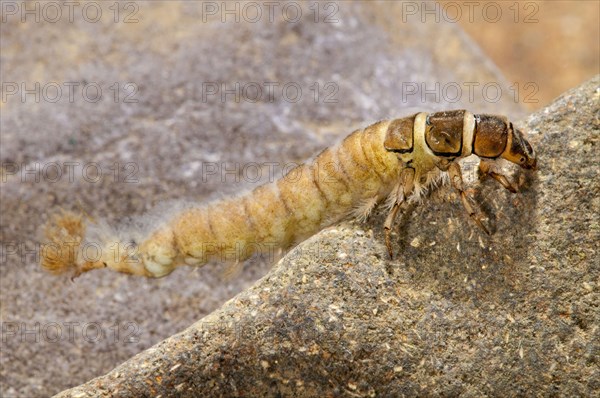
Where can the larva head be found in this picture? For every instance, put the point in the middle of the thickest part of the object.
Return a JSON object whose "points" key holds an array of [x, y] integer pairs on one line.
{"points": [[519, 151], [495, 137]]}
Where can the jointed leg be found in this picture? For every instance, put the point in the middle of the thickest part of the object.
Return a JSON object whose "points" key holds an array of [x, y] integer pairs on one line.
{"points": [[489, 168], [405, 188], [457, 182], [387, 226]]}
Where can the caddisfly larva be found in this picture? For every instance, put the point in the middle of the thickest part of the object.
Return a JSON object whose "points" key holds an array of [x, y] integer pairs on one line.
{"points": [[396, 160]]}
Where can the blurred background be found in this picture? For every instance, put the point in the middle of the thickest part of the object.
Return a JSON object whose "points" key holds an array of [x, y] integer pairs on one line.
{"points": [[162, 68], [554, 43]]}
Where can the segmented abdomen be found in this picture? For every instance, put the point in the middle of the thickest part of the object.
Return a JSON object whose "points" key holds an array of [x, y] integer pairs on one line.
{"points": [[356, 172], [346, 179]]}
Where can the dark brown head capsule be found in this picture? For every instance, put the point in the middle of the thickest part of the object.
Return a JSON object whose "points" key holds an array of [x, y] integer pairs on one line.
{"points": [[519, 151], [495, 137]]}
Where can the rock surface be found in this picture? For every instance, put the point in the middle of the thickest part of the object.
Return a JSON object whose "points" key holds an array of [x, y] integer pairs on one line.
{"points": [[161, 142], [457, 313]]}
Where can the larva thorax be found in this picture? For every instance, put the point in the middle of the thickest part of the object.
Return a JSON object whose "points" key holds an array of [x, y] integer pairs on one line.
{"points": [[446, 136], [394, 159]]}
